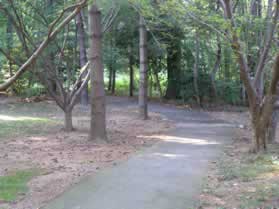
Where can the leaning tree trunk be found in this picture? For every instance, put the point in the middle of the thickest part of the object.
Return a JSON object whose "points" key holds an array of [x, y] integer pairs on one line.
{"points": [[82, 55], [143, 71], [98, 109]]}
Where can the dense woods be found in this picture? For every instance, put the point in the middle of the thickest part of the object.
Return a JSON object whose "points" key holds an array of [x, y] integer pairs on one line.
{"points": [[197, 52]]}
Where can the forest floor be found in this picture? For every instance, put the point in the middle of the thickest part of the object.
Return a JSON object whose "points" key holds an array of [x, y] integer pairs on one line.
{"points": [[37, 154], [240, 179]]}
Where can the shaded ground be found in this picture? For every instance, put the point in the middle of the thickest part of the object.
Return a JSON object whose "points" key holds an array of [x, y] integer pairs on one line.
{"points": [[165, 176], [31, 138], [240, 179]]}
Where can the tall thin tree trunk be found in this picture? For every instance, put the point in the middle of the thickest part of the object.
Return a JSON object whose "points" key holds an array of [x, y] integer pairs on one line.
{"points": [[113, 82], [143, 109], [110, 67], [150, 85], [110, 78], [98, 106], [215, 69], [158, 84], [82, 55], [131, 86], [196, 69], [10, 42]]}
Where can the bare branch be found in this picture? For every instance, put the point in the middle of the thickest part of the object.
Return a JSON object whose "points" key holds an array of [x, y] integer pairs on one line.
{"points": [[264, 54], [42, 46], [78, 81], [110, 18], [77, 93], [244, 68]]}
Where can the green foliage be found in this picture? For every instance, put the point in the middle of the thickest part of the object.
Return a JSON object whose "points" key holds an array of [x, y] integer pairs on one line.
{"points": [[229, 91]]}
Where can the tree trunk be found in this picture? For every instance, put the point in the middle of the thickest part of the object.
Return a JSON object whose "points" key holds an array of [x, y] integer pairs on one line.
{"points": [[272, 127], [82, 55], [110, 78], [173, 68], [98, 109], [143, 71], [68, 123], [131, 86], [215, 69], [113, 82], [196, 69], [150, 85], [158, 84], [10, 42]]}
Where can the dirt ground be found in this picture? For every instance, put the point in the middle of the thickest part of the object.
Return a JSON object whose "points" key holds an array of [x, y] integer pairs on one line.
{"points": [[62, 159], [240, 179]]}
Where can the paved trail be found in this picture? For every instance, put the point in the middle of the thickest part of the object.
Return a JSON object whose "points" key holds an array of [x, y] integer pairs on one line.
{"points": [[166, 176]]}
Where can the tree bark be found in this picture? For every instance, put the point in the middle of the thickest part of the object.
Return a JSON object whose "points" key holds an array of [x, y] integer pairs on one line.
{"points": [[143, 88], [150, 85], [131, 85], [98, 109], [215, 69], [68, 123], [10, 42], [174, 67], [84, 99], [272, 127], [196, 69], [110, 78], [113, 82]]}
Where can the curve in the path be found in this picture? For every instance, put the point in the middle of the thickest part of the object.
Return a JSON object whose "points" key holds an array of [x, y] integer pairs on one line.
{"points": [[166, 176]]}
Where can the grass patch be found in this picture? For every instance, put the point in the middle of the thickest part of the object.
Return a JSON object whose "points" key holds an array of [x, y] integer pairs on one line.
{"points": [[15, 184], [13, 126], [249, 168], [263, 197]]}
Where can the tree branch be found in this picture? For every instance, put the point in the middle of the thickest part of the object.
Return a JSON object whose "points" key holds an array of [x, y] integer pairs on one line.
{"points": [[264, 54], [52, 34]]}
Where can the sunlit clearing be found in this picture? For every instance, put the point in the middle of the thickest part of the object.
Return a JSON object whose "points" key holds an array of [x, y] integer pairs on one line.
{"points": [[38, 138], [13, 118], [172, 156], [207, 125], [183, 140]]}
